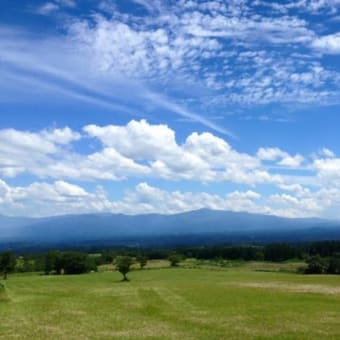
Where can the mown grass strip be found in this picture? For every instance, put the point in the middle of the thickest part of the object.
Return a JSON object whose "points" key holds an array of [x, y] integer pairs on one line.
{"points": [[3, 293]]}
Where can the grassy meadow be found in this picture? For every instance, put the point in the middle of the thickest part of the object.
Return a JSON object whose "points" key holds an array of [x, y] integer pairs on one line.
{"points": [[240, 301]]}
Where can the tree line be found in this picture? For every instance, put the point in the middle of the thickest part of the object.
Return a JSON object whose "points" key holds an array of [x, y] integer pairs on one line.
{"points": [[320, 257]]}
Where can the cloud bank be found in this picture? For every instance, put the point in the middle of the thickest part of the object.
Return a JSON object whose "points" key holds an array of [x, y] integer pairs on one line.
{"points": [[300, 185]]}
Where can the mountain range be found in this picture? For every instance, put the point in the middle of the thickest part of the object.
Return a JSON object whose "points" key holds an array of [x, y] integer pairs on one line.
{"points": [[196, 227]]}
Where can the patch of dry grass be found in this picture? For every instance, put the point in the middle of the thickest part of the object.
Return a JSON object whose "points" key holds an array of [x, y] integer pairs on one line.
{"points": [[291, 287]]}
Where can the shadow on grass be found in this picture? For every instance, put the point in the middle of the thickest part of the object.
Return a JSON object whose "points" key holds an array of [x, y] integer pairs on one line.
{"points": [[122, 281]]}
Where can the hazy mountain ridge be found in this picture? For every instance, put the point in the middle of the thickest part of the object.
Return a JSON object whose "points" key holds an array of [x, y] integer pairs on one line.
{"points": [[89, 227]]}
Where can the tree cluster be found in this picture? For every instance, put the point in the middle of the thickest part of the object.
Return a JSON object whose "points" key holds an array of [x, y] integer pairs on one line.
{"points": [[323, 265], [57, 262], [7, 263]]}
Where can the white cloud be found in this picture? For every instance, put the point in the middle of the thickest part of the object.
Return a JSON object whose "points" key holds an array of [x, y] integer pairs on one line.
{"points": [[47, 8], [307, 6], [217, 53], [48, 199], [274, 154], [54, 6], [292, 161], [270, 154], [60, 197], [61, 136], [274, 29], [140, 149], [203, 157], [25, 151], [198, 43], [143, 150], [328, 171], [147, 199], [328, 44], [327, 153]]}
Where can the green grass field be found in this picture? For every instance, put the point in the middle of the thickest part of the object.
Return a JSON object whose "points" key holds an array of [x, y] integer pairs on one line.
{"points": [[172, 303]]}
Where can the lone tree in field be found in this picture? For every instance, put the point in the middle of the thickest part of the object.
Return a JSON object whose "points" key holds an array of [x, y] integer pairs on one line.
{"points": [[123, 264], [7, 263], [142, 261]]}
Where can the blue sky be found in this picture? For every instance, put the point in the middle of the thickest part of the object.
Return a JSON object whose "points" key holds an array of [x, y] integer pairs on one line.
{"points": [[141, 106]]}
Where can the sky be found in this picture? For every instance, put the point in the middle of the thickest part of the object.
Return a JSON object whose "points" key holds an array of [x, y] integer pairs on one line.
{"points": [[141, 106]]}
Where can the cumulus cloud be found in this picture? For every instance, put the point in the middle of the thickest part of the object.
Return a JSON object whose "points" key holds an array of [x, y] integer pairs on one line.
{"points": [[151, 151], [25, 151], [48, 199], [283, 158], [202, 157], [60, 197], [328, 171], [140, 149], [270, 154]]}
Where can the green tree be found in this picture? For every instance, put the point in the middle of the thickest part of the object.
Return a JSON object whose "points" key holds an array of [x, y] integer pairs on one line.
{"points": [[77, 263], [142, 260], [68, 262], [53, 262], [278, 252], [316, 265], [334, 264], [24, 264], [7, 263], [123, 264], [174, 259]]}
